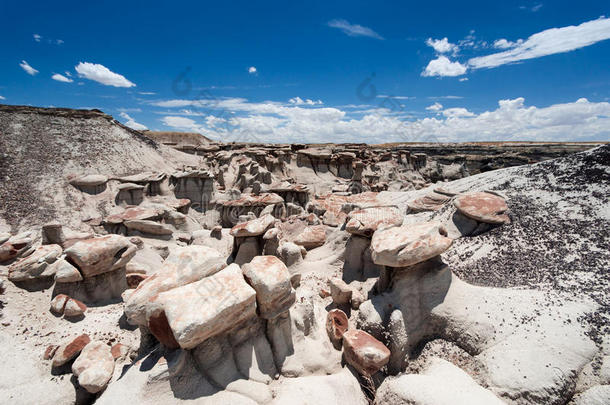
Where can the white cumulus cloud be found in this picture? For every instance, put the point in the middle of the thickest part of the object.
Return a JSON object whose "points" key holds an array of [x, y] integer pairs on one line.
{"points": [[442, 66], [61, 78], [2, 98], [37, 37], [28, 69], [457, 112], [101, 74], [131, 123], [506, 44], [435, 107], [442, 45], [353, 30], [181, 123], [300, 101], [548, 42], [252, 70]]}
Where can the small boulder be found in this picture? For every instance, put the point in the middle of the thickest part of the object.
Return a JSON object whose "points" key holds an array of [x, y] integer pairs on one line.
{"points": [[271, 280], [119, 351], [340, 291], [483, 207], [59, 303], [101, 255], [65, 272], [74, 308], [409, 244], [14, 247], [290, 253], [336, 325], [365, 353], [311, 237], [94, 367], [253, 227], [68, 351], [36, 265], [49, 352]]}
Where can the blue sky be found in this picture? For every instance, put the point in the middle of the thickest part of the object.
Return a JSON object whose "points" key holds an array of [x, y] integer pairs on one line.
{"points": [[317, 72]]}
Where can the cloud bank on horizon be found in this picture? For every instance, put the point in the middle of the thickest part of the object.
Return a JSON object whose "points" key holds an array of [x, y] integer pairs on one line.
{"points": [[240, 120]]}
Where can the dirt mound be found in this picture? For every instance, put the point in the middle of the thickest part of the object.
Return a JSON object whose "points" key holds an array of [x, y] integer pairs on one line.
{"points": [[41, 147]]}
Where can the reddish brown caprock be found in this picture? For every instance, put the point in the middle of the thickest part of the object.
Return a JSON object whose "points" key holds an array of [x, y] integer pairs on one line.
{"points": [[336, 325], [67, 352], [483, 207], [365, 353]]}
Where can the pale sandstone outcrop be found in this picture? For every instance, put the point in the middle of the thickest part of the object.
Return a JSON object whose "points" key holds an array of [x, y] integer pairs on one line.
{"points": [[206, 308], [271, 280], [441, 383], [94, 366], [184, 265]]}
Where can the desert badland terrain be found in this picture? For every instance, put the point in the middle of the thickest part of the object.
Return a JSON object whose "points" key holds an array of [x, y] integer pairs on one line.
{"points": [[148, 268]]}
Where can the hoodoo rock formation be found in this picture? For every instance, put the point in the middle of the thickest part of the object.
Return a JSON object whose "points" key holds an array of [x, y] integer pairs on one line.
{"points": [[153, 268]]}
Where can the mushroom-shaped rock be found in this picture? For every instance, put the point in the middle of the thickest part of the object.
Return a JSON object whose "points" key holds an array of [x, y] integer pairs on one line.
{"points": [[70, 350], [271, 280], [366, 221], [94, 367], [184, 265], [90, 180], [135, 213], [483, 207], [146, 226], [74, 308], [203, 309], [336, 325], [430, 202], [409, 244], [65, 272], [253, 227], [365, 353], [36, 265], [311, 237], [101, 255]]}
